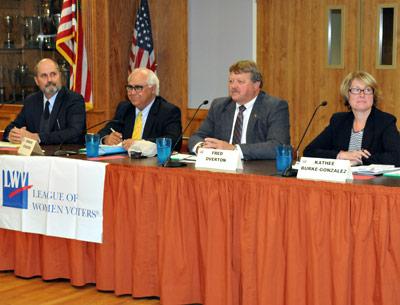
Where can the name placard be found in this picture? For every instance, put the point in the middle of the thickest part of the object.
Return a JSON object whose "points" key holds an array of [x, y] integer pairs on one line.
{"points": [[333, 170], [30, 147], [219, 159]]}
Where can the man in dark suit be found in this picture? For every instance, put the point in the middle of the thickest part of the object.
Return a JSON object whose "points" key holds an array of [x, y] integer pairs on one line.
{"points": [[53, 115], [250, 120], [145, 116]]}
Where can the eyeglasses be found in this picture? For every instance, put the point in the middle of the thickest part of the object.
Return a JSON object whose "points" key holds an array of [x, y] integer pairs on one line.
{"points": [[137, 88], [366, 91]]}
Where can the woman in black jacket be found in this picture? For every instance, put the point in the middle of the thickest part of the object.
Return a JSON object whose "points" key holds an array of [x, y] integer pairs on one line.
{"points": [[364, 135]]}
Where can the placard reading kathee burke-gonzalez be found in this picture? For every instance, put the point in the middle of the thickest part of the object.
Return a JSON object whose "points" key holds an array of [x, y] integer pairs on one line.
{"points": [[324, 169]]}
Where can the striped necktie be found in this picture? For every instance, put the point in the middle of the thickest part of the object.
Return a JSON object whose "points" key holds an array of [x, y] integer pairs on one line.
{"points": [[237, 131], [137, 130]]}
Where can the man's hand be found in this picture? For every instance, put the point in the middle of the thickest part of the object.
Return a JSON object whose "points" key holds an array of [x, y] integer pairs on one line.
{"points": [[127, 143], [217, 144], [113, 138], [17, 134]]}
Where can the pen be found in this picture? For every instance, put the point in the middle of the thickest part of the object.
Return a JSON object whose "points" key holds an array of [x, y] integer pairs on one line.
{"points": [[112, 129]]}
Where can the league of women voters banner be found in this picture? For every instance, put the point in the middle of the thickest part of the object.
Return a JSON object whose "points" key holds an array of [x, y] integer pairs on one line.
{"points": [[52, 196]]}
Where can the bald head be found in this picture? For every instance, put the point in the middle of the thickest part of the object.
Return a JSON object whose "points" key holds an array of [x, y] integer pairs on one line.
{"points": [[46, 61]]}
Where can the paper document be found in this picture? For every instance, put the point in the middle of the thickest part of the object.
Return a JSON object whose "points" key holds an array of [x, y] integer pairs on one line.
{"points": [[8, 144], [373, 169]]}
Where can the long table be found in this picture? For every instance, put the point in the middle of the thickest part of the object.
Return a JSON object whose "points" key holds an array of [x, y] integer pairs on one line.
{"points": [[193, 236]]}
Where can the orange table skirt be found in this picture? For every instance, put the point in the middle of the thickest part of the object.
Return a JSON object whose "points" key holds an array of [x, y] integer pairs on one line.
{"points": [[199, 237]]}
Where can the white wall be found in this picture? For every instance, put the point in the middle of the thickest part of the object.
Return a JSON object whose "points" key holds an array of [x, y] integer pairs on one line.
{"points": [[220, 33]]}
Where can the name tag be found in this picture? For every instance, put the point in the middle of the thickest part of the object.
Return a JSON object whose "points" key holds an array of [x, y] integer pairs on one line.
{"points": [[325, 169], [219, 159], [29, 147]]}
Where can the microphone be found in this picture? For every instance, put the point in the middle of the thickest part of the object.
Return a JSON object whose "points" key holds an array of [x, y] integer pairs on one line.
{"points": [[290, 171], [61, 152], [168, 162]]}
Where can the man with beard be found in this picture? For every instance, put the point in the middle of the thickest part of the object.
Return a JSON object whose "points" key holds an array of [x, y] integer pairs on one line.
{"points": [[249, 120], [54, 115]]}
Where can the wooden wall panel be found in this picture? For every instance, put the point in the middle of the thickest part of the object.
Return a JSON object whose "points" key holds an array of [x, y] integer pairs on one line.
{"points": [[169, 21], [201, 115], [292, 55], [387, 79], [109, 33]]}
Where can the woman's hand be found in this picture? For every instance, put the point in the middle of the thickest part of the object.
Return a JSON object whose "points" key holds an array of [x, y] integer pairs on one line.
{"points": [[354, 156]]}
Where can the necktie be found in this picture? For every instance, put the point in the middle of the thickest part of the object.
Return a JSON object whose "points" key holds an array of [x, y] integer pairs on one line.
{"points": [[137, 130], [237, 131], [46, 113]]}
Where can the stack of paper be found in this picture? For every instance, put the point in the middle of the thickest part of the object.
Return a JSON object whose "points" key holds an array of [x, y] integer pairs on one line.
{"points": [[373, 169]]}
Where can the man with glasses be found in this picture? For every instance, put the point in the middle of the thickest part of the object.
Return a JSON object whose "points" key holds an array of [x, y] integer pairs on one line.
{"points": [[145, 116], [364, 134]]}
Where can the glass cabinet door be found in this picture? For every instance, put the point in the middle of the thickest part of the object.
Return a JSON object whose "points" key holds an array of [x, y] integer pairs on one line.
{"points": [[28, 33]]}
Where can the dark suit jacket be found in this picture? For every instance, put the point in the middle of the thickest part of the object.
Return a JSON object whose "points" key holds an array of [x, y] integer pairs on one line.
{"points": [[268, 126], [381, 138], [163, 120], [67, 119]]}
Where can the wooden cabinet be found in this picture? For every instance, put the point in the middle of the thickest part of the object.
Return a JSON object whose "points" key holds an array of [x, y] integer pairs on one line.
{"points": [[8, 112]]}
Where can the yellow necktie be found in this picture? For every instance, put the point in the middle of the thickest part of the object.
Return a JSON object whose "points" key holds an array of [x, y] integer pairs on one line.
{"points": [[137, 130]]}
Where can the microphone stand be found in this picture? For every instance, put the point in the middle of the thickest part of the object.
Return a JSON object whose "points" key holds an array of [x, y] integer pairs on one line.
{"points": [[168, 162], [290, 171], [61, 152]]}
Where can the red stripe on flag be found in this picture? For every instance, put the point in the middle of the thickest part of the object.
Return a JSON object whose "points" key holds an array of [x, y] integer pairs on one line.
{"points": [[71, 45], [141, 53]]}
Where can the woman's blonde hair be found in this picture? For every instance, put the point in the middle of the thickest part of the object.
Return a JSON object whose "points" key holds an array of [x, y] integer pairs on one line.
{"points": [[363, 76]]}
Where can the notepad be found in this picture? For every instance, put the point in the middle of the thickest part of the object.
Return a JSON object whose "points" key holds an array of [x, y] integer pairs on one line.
{"points": [[394, 174], [5, 144]]}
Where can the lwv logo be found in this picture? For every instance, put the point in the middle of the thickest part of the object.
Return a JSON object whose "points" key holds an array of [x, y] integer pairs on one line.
{"points": [[15, 189]]}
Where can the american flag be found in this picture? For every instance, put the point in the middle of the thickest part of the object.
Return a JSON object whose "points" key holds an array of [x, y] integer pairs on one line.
{"points": [[70, 43], [141, 53]]}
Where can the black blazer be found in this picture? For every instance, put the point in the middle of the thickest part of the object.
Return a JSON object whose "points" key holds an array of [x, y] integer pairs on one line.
{"points": [[163, 120], [381, 138], [67, 119]]}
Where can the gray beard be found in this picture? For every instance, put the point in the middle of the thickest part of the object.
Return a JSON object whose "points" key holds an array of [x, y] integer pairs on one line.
{"points": [[51, 90]]}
